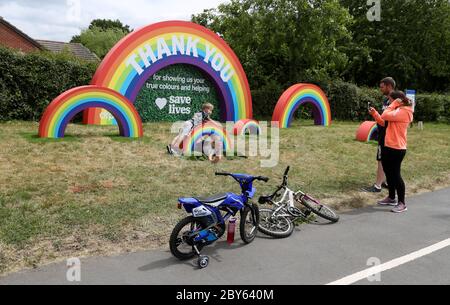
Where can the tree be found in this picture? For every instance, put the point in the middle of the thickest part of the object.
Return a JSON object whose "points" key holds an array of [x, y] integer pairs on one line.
{"points": [[284, 41], [102, 35], [411, 43], [100, 41], [106, 24]]}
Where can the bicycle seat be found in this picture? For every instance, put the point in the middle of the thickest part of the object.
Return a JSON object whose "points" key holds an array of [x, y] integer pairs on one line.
{"points": [[212, 199], [264, 199]]}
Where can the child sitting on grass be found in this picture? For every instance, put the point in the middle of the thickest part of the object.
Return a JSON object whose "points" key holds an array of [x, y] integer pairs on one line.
{"points": [[197, 119]]}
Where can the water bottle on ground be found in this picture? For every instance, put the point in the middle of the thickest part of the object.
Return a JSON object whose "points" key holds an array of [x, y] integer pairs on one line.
{"points": [[231, 230]]}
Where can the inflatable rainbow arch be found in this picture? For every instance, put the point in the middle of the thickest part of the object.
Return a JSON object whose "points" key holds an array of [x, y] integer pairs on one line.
{"points": [[63, 108], [247, 126], [367, 131], [193, 141], [298, 95]]}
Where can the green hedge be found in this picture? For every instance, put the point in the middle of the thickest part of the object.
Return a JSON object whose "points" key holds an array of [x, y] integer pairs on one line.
{"points": [[29, 82], [349, 102], [433, 107]]}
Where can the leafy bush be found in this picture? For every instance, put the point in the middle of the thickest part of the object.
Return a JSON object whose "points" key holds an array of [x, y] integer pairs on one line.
{"points": [[349, 102], [432, 107], [29, 82]]}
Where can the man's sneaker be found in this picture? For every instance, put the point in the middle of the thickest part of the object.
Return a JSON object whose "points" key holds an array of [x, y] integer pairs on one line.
{"points": [[384, 185], [400, 208], [169, 150], [388, 201], [372, 189]]}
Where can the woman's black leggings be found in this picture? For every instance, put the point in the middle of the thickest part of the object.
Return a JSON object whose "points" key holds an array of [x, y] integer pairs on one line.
{"points": [[392, 164]]}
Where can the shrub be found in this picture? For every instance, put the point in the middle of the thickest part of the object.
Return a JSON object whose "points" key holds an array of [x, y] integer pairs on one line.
{"points": [[29, 82]]}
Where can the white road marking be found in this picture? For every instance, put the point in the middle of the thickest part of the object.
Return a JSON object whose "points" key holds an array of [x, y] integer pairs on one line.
{"points": [[351, 279]]}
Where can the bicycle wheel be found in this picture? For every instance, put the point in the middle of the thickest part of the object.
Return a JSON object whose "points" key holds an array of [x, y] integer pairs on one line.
{"points": [[247, 228], [273, 225], [319, 209], [181, 246]]}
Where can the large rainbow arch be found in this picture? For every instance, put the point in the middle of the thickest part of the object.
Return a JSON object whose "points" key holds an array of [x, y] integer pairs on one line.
{"points": [[63, 108], [144, 52], [298, 95]]}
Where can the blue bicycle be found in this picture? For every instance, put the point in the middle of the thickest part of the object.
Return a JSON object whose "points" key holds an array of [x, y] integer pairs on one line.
{"points": [[209, 216]]}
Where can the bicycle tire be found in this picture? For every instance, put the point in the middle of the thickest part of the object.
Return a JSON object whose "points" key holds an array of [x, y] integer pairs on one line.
{"points": [[174, 238], [276, 234], [319, 209], [248, 239]]}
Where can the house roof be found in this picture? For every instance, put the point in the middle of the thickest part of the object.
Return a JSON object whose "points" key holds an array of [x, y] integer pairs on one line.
{"points": [[75, 48], [19, 32]]}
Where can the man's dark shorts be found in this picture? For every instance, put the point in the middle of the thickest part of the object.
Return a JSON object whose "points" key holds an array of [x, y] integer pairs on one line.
{"points": [[379, 149]]}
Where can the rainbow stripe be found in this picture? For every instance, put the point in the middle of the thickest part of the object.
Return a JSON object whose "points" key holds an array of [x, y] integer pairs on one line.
{"points": [[63, 108], [247, 126], [367, 131], [118, 73], [298, 95], [373, 133], [207, 129]]}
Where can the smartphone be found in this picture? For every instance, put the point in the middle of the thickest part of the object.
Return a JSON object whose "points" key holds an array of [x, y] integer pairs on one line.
{"points": [[369, 105]]}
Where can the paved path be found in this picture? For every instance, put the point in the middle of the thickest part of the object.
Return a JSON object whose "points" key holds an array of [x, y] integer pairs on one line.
{"points": [[314, 254]]}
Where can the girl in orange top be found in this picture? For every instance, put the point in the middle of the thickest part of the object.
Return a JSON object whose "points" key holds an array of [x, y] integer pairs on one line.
{"points": [[399, 114]]}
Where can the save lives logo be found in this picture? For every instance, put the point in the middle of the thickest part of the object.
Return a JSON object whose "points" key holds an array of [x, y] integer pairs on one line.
{"points": [[161, 103], [177, 104], [175, 93]]}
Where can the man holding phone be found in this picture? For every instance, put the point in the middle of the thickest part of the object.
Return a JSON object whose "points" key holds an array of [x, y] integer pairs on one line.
{"points": [[387, 85]]}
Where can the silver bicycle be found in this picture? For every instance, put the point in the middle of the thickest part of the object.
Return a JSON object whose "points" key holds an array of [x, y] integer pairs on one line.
{"points": [[279, 221]]}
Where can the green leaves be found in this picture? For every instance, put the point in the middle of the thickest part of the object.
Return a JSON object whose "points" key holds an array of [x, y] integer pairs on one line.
{"points": [[411, 43], [28, 83], [100, 40], [290, 40], [283, 40]]}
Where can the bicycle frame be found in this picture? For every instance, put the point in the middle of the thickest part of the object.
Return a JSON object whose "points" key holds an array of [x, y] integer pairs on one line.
{"points": [[287, 201]]}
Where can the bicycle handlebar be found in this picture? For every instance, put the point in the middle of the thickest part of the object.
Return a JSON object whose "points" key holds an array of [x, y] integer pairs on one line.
{"points": [[261, 178], [287, 171], [222, 174]]}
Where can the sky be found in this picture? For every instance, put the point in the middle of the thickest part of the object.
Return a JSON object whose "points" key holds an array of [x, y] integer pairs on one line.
{"points": [[61, 19]]}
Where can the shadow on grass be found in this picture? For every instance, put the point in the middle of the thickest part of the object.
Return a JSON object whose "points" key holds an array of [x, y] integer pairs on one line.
{"points": [[34, 138]]}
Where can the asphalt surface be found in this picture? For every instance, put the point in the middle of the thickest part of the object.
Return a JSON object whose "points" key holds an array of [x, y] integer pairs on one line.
{"points": [[314, 254]]}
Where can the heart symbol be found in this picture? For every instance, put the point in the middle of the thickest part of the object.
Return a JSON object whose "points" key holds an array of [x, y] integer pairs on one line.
{"points": [[161, 103]]}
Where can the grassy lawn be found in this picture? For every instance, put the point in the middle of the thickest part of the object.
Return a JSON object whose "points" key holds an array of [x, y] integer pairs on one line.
{"points": [[94, 193]]}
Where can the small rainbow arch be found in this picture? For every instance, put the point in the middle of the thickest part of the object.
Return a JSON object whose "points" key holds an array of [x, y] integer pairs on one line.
{"points": [[367, 131], [208, 129], [298, 95], [247, 126], [63, 108]]}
